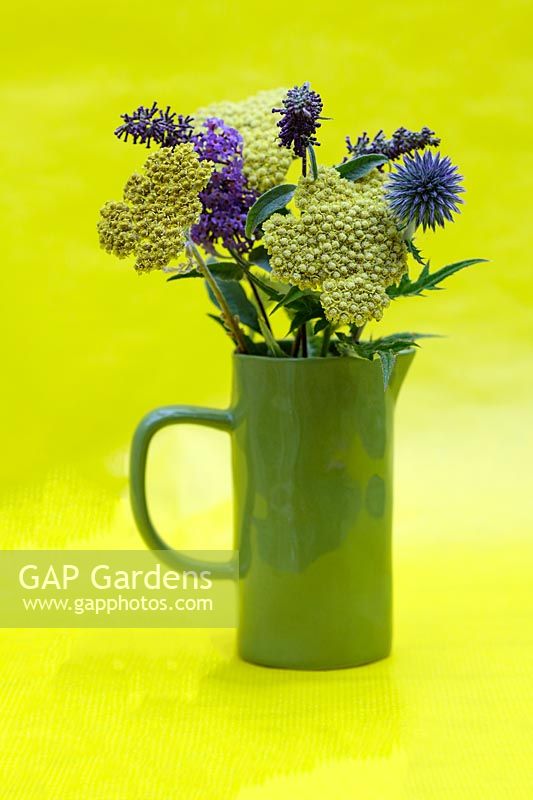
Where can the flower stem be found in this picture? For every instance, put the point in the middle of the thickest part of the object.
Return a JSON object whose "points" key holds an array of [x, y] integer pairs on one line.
{"points": [[356, 332], [304, 340], [325, 341], [304, 164], [296, 343], [230, 321], [246, 267], [259, 302]]}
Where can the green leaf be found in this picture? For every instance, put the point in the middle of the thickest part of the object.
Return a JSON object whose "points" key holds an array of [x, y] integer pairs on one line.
{"points": [[388, 359], [312, 161], [304, 314], [254, 348], [218, 320], [178, 276], [415, 252], [260, 258], [321, 325], [304, 306], [225, 270], [386, 349], [266, 286], [429, 280], [401, 338], [291, 296], [394, 343], [267, 204], [238, 302], [360, 166]]}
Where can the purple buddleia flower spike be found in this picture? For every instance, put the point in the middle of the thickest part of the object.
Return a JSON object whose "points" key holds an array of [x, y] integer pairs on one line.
{"points": [[147, 125], [402, 142], [227, 197], [218, 142], [424, 190], [299, 121]]}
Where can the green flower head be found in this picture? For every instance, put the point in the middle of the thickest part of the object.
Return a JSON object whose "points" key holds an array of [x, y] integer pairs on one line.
{"points": [[159, 207], [345, 244]]}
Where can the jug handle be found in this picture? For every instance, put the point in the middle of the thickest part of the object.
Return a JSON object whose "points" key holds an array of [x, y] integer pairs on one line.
{"points": [[150, 424]]}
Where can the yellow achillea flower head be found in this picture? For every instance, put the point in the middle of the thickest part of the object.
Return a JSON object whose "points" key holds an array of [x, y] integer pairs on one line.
{"points": [[265, 162], [159, 206], [345, 244]]}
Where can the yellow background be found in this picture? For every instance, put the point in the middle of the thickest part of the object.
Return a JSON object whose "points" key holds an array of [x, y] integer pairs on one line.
{"points": [[88, 347]]}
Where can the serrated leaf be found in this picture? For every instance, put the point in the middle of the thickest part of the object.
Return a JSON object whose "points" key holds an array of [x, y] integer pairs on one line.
{"points": [[404, 336], [238, 302], [388, 359], [429, 280], [267, 204], [394, 343], [360, 166], [351, 349], [225, 270], [432, 279], [415, 252]]}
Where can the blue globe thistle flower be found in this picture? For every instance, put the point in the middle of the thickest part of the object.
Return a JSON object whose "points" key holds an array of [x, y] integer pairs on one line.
{"points": [[227, 197], [145, 125], [299, 120], [402, 142], [424, 190]]}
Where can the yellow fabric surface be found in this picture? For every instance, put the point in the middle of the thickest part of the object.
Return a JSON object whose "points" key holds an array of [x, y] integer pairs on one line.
{"points": [[88, 347]]}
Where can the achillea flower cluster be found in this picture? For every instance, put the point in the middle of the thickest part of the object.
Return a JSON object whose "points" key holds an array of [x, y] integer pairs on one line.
{"points": [[300, 114], [159, 207], [227, 197], [145, 125], [401, 142], [345, 244], [265, 164], [424, 190]]}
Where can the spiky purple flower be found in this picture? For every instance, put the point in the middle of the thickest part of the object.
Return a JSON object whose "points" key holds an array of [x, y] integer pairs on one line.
{"points": [[402, 142], [424, 190], [227, 197], [164, 127], [299, 119]]}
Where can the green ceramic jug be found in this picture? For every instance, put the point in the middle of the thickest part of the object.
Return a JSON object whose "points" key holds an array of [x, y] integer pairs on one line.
{"points": [[312, 471]]}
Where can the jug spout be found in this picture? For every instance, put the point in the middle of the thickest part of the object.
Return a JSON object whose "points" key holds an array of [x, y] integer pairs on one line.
{"points": [[401, 368]]}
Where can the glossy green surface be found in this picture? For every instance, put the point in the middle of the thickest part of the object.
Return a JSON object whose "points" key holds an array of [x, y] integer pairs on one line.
{"points": [[312, 468]]}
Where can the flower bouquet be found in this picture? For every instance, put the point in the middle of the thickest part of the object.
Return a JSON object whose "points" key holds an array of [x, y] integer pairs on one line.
{"points": [[295, 272], [331, 252]]}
